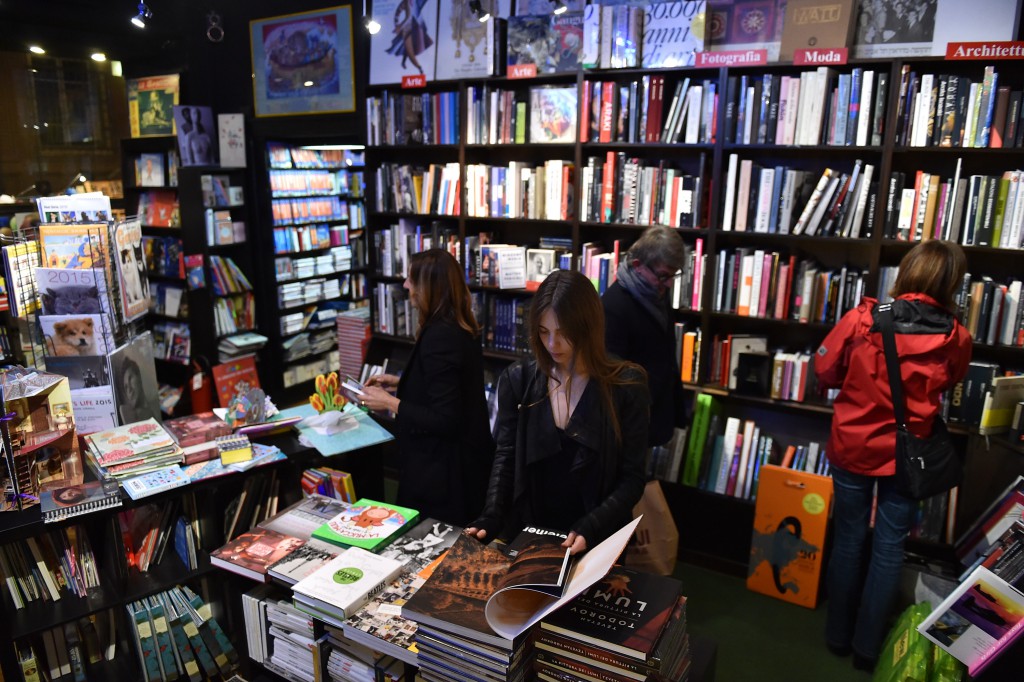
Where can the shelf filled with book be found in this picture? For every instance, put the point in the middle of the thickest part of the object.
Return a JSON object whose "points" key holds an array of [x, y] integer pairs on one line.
{"points": [[797, 189], [316, 248]]}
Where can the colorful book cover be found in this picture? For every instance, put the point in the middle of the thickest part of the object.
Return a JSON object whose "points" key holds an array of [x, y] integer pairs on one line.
{"points": [[251, 553], [673, 34], [553, 114], [155, 482], [405, 44], [76, 335], [235, 378], [74, 247], [159, 208], [745, 25], [140, 438], [196, 428], [368, 524], [149, 170], [552, 43], [194, 272], [380, 625], [131, 269], [151, 103], [74, 208], [72, 292]]}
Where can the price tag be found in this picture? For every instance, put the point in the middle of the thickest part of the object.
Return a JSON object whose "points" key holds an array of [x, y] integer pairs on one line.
{"points": [[197, 381]]}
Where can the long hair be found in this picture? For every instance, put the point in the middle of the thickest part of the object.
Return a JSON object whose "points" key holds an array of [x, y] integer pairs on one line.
{"points": [[934, 267], [574, 301], [440, 289]]}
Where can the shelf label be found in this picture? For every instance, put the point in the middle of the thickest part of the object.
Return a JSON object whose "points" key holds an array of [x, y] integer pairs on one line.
{"points": [[820, 55], [993, 49], [417, 80], [733, 58], [522, 71]]}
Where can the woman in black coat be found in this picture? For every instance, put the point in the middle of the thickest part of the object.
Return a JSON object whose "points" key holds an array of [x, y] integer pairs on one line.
{"points": [[444, 439], [572, 426]]}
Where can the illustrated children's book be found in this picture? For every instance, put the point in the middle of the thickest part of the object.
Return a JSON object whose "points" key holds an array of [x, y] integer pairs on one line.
{"points": [[235, 378], [61, 503], [368, 524]]}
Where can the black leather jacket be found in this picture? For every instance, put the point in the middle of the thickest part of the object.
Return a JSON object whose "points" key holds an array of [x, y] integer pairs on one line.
{"points": [[526, 434]]}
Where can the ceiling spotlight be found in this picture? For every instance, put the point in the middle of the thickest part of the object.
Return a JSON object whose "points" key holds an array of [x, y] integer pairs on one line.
{"points": [[98, 57], [144, 15], [371, 24], [481, 14], [35, 49], [560, 7]]}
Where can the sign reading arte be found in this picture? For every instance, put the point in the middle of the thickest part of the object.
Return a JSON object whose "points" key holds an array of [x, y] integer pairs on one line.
{"points": [[522, 71], [831, 56], [733, 58], [996, 49], [417, 80]]}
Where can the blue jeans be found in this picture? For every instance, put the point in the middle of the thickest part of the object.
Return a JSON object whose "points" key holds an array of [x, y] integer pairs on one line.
{"points": [[860, 604]]}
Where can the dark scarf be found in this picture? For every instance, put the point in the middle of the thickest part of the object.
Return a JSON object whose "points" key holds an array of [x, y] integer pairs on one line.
{"points": [[644, 293]]}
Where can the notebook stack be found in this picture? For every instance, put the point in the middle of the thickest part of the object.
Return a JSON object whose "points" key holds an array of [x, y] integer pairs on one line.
{"points": [[627, 627], [131, 450]]}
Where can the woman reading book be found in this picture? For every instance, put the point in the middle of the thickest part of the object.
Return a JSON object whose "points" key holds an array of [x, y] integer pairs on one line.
{"points": [[572, 426], [444, 438]]}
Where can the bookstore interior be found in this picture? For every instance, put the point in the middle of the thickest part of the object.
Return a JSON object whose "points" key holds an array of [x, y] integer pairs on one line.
{"points": [[199, 327]]}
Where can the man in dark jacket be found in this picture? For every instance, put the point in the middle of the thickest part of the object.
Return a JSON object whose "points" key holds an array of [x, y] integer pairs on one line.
{"points": [[639, 324]]}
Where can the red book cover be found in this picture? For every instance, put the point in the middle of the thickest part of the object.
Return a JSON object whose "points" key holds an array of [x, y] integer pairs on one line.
{"points": [[251, 553], [235, 378], [608, 189], [607, 105], [196, 428], [585, 111], [789, 288]]}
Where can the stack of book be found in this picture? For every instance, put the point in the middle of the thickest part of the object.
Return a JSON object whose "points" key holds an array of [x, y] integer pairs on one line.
{"points": [[353, 328], [641, 636], [368, 524], [239, 345], [339, 588], [252, 552], [130, 450]]}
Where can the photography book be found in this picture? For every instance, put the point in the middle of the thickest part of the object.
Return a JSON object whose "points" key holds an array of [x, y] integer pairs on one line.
{"points": [[196, 428], [345, 583], [61, 503], [251, 553], [483, 594], [306, 515], [368, 524]]}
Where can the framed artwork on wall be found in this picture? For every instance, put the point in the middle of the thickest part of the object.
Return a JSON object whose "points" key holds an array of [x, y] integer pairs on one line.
{"points": [[302, 63]]}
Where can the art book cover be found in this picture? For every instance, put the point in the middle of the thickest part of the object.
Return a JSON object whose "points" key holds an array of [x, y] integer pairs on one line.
{"points": [[380, 624], [553, 114], [673, 33], [303, 561], [347, 582], [625, 612], [422, 543], [149, 170], [76, 335], [196, 428], [74, 247], [74, 208], [306, 515], [231, 140], [139, 438], [151, 103], [368, 524], [552, 43], [465, 45], [135, 384], [977, 621], [406, 42], [159, 208], [251, 553], [131, 269], [745, 25], [196, 130], [72, 292], [235, 378], [891, 28], [813, 23], [194, 272], [470, 594]]}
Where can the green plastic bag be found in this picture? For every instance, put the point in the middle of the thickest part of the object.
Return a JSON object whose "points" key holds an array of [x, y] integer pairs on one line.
{"points": [[945, 668], [906, 655]]}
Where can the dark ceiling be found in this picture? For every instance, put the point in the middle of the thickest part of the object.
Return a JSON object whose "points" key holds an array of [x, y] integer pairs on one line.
{"points": [[77, 28]]}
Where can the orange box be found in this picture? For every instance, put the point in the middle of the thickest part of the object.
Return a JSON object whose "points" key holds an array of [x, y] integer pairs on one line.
{"points": [[790, 523]]}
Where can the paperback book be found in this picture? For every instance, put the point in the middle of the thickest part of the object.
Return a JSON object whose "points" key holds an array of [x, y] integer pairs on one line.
{"points": [[346, 582], [368, 524], [253, 552], [154, 482], [306, 515], [196, 428], [303, 561]]}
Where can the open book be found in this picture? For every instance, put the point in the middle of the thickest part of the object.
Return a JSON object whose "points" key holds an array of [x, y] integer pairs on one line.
{"points": [[484, 594]]}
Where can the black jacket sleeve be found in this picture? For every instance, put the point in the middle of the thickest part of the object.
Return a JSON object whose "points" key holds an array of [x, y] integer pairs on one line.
{"points": [[503, 471]]}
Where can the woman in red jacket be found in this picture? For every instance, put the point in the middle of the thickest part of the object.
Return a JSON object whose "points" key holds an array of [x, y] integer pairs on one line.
{"points": [[934, 352]]}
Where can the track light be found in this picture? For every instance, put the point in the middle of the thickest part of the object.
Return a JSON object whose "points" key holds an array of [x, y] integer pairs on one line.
{"points": [[144, 15], [560, 7], [75, 181], [481, 14], [35, 49], [371, 24], [98, 57]]}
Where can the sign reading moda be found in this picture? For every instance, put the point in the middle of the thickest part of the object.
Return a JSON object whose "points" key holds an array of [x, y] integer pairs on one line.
{"points": [[1000, 49]]}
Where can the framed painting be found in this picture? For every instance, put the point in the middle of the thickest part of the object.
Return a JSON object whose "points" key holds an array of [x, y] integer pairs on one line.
{"points": [[302, 63]]}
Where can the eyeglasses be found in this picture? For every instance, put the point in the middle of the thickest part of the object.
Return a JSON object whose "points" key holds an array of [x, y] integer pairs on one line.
{"points": [[663, 277]]}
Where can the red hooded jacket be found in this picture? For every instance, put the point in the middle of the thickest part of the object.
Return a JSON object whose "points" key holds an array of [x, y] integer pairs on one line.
{"points": [[934, 351]]}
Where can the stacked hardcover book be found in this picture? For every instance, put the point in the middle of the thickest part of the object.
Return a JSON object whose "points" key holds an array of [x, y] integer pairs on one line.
{"points": [[628, 626], [130, 450]]}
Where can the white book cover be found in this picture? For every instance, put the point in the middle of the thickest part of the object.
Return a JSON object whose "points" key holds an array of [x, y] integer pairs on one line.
{"points": [[465, 45], [977, 621], [813, 201], [792, 109], [590, 54], [755, 283], [231, 138], [743, 299], [765, 197], [693, 114], [826, 198], [347, 581], [921, 114], [743, 344], [730, 193], [741, 476], [743, 195], [732, 429], [1017, 223], [906, 216], [923, 29], [673, 32], [406, 42], [784, 104], [970, 119], [512, 267], [748, 117], [790, 182], [862, 201]]}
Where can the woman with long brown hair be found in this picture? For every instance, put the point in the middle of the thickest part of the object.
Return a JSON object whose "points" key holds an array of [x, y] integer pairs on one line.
{"points": [[572, 426], [444, 439]]}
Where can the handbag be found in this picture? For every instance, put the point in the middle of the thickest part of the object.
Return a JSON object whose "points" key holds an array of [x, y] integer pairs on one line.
{"points": [[657, 538], [924, 466]]}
